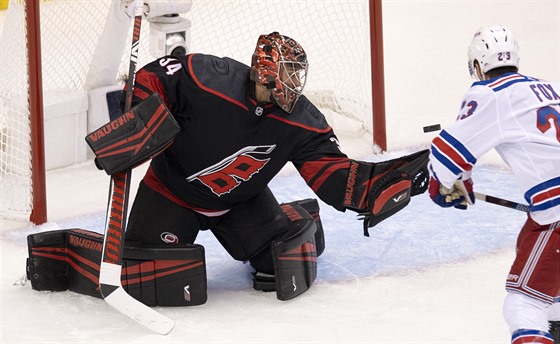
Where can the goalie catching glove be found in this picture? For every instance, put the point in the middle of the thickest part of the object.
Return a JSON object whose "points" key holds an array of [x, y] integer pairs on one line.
{"points": [[378, 190], [459, 195]]}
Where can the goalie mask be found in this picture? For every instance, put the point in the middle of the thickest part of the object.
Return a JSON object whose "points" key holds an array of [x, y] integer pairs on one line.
{"points": [[493, 47], [280, 64]]}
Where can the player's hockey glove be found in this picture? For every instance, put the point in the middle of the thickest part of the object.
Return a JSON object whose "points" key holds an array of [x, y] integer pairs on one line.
{"points": [[135, 137], [379, 190], [459, 196]]}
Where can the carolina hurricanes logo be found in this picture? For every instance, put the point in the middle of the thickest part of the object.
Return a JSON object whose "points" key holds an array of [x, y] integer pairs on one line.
{"points": [[228, 174], [169, 238]]}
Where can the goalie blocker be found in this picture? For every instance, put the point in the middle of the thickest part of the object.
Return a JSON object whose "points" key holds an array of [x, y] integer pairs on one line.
{"points": [[156, 275], [135, 137]]}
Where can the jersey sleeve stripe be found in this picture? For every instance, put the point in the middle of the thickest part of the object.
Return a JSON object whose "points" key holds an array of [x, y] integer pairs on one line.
{"points": [[445, 161], [140, 93], [544, 195], [452, 154], [327, 173], [531, 336], [148, 83], [315, 173]]}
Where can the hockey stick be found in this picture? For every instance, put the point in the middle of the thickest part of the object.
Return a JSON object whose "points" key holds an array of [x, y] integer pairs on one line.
{"points": [[113, 243], [502, 202]]}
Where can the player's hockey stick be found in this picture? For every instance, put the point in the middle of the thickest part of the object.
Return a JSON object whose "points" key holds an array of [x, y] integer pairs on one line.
{"points": [[502, 202], [113, 243]]}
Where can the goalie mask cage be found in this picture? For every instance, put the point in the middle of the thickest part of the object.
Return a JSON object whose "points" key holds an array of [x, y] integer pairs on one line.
{"points": [[47, 46]]}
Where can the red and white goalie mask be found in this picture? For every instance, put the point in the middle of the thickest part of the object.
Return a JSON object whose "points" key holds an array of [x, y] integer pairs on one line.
{"points": [[280, 64]]}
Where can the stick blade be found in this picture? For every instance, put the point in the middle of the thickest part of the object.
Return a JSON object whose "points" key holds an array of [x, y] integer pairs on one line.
{"points": [[114, 294], [137, 311]]}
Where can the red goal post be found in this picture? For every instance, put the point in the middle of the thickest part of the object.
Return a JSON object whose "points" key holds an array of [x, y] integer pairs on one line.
{"points": [[343, 39]]}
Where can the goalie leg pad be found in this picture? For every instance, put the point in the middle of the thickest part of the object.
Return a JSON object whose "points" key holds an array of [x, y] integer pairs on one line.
{"points": [[156, 275], [46, 265], [295, 254], [312, 207], [166, 275]]}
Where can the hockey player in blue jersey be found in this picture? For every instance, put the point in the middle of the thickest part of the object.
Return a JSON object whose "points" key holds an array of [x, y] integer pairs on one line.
{"points": [[518, 116]]}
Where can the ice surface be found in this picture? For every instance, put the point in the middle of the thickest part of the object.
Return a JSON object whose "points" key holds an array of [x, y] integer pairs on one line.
{"points": [[424, 272]]}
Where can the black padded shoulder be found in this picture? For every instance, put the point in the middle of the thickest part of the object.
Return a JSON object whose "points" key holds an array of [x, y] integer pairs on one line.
{"points": [[222, 75], [306, 115]]}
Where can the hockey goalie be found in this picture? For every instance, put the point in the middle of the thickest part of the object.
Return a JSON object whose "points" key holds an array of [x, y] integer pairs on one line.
{"points": [[239, 126]]}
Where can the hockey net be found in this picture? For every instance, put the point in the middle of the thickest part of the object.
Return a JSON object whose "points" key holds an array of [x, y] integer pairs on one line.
{"points": [[334, 33]]}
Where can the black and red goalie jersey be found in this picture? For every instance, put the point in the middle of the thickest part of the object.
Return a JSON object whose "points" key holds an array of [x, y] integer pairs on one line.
{"points": [[230, 147], [228, 152]]}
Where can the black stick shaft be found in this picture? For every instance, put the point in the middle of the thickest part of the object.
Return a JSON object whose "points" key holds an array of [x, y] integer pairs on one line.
{"points": [[502, 202]]}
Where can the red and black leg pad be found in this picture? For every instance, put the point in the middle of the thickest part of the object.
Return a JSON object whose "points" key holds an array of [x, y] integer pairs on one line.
{"points": [[134, 137], [156, 275], [312, 207], [295, 254]]}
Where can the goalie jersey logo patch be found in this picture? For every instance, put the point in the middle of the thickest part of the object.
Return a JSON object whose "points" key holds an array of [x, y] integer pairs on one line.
{"points": [[229, 173]]}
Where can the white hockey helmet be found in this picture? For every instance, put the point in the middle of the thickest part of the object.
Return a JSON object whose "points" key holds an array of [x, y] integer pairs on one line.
{"points": [[493, 47]]}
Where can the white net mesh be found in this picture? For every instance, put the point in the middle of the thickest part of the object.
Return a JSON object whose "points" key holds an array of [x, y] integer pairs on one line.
{"points": [[15, 171], [69, 33]]}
